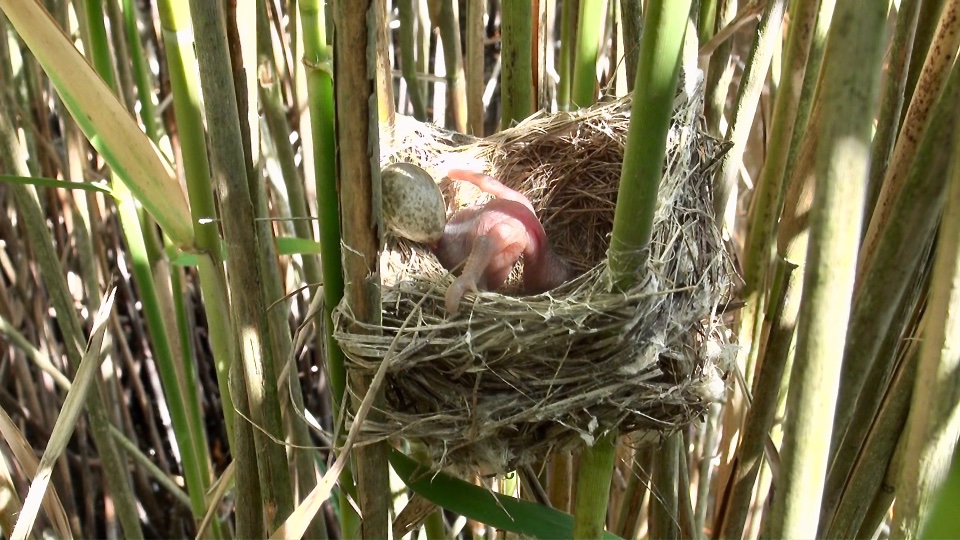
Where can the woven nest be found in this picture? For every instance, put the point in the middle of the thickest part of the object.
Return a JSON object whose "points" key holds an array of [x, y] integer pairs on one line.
{"points": [[512, 378]]}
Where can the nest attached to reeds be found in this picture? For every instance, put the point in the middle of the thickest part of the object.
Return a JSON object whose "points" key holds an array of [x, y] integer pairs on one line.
{"points": [[512, 378]]}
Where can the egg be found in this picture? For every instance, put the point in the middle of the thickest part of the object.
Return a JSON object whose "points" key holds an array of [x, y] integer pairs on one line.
{"points": [[413, 206]]}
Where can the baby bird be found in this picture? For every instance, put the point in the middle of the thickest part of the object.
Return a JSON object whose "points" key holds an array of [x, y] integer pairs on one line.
{"points": [[489, 239]]}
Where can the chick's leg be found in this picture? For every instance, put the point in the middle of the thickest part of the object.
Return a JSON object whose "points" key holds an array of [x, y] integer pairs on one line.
{"points": [[472, 277]]}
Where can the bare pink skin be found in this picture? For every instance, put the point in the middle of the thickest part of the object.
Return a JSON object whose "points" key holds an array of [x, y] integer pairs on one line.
{"points": [[489, 239]]}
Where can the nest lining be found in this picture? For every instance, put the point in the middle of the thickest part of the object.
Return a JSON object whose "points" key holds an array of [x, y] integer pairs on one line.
{"points": [[512, 378]]}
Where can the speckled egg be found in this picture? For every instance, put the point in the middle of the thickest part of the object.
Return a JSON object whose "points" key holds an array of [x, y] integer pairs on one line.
{"points": [[413, 206]]}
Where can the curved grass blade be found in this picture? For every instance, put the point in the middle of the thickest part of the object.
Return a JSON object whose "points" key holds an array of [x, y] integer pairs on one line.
{"points": [[28, 462], [505, 513], [52, 183], [73, 406], [286, 245]]}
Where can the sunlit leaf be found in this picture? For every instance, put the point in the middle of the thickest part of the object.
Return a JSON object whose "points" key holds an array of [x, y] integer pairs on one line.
{"points": [[102, 118], [499, 511]]}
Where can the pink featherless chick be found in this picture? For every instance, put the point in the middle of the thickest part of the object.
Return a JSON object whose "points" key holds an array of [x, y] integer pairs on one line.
{"points": [[488, 240]]}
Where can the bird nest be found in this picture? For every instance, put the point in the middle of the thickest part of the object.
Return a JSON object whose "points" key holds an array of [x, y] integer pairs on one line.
{"points": [[512, 378]]}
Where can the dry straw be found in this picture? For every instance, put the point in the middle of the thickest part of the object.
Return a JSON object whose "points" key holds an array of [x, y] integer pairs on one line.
{"points": [[512, 378]]}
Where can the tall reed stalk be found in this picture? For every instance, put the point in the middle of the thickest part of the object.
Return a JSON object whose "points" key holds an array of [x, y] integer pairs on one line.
{"points": [[248, 309], [318, 59], [408, 62], [863, 354], [190, 441], [181, 66], [568, 30], [475, 45], [657, 76], [449, 23], [933, 426], [590, 25], [359, 182], [885, 286], [849, 82], [516, 90]]}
